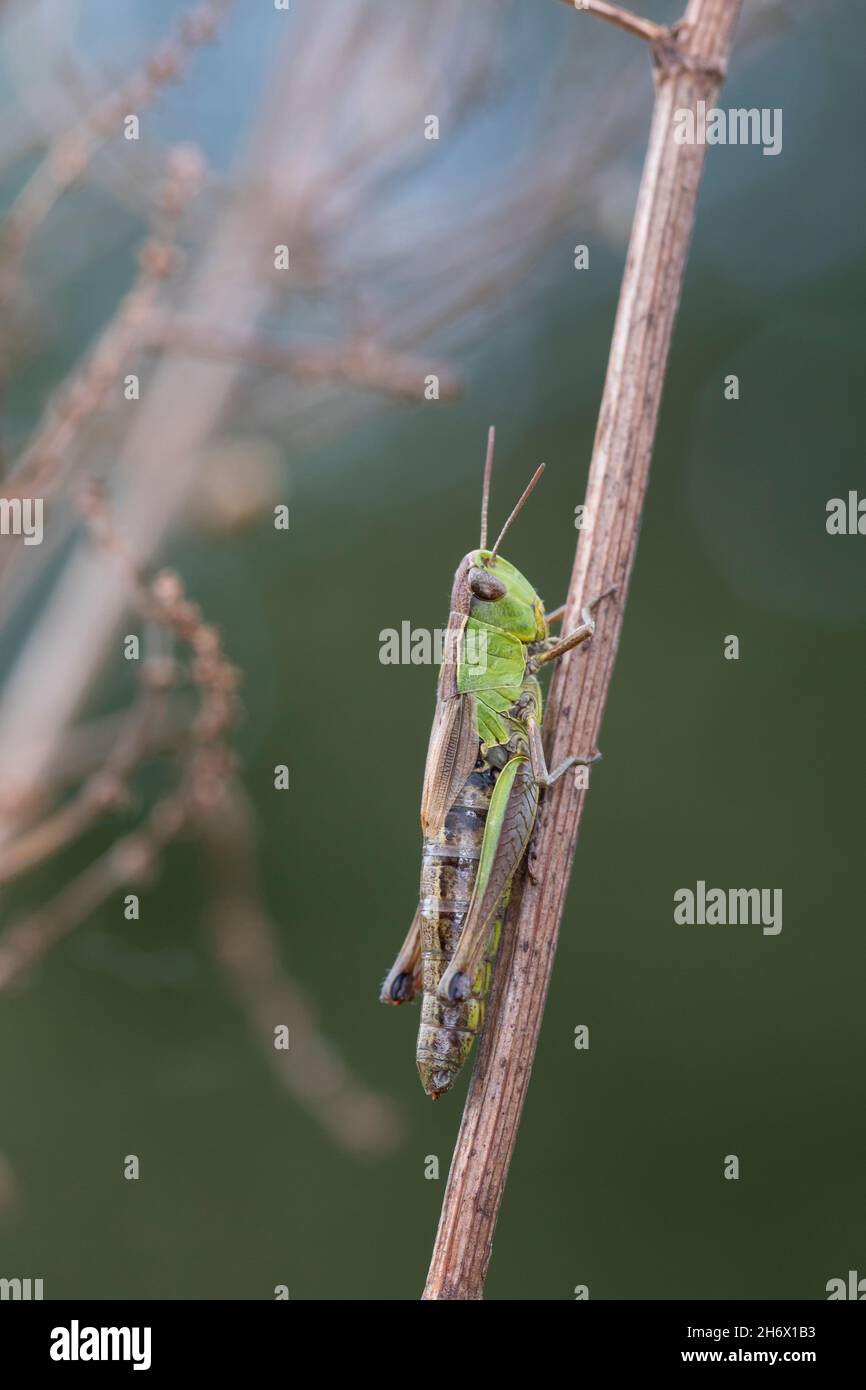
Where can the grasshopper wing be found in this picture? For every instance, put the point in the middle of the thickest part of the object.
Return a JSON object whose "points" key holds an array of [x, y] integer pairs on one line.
{"points": [[510, 820], [454, 741], [451, 756]]}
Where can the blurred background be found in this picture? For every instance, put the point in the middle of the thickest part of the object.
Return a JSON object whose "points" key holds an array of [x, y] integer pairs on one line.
{"points": [[258, 388]]}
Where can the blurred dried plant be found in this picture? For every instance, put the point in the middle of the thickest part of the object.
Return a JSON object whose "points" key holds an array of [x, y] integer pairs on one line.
{"points": [[402, 252]]}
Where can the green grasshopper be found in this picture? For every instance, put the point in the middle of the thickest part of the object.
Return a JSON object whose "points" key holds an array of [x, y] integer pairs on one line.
{"points": [[485, 770]]}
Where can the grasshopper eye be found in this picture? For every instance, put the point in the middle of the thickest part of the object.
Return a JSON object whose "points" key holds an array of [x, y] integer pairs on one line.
{"points": [[486, 586]]}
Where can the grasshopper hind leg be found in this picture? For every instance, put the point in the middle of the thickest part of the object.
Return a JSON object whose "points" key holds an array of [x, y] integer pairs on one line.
{"points": [[506, 836], [403, 980]]}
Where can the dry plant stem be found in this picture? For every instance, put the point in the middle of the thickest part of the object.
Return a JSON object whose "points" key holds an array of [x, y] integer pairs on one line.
{"points": [[104, 791], [93, 742], [71, 153], [362, 362], [605, 554], [244, 940], [177, 414], [205, 766], [623, 19], [52, 447], [130, 862]]}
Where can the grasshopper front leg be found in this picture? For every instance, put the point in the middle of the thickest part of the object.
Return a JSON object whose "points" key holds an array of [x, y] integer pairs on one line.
{"points": [[538, 762], [542, 774], [580, 634], [555, 615]]}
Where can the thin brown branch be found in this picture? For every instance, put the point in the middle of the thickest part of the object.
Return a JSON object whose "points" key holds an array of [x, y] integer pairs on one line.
{"points": [[623, 19], [180, 410], [244, 941], [52, 446], [206, 765], [105, 790], [130, 862], [69, 156], [90, 745], [618, 477], [360, 362]]}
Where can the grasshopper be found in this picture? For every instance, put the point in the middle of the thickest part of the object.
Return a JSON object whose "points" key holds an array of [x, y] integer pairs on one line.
{"points": [[484, 773]]}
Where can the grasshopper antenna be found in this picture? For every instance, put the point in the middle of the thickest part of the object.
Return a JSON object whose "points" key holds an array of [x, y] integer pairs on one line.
{"points": [[485, 490], [524, 495]]}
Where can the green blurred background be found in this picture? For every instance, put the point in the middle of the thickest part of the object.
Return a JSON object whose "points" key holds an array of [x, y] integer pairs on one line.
{"points": [[704, 1041]]}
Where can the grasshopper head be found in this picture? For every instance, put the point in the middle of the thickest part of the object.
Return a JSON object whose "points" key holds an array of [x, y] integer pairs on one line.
{"points": [[500, 595], [486, 587]]}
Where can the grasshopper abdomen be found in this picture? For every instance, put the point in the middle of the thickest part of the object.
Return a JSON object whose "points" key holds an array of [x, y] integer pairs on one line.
{"points": [[449, 866]]}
